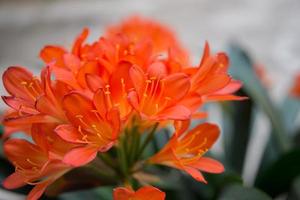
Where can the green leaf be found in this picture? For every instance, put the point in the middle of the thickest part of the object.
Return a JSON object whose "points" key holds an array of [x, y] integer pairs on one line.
{"points": [[103, 193], [290, 109], [241, 68], [278, 177], [239, 192], [294, 193], [78, 179], [238, 133]]}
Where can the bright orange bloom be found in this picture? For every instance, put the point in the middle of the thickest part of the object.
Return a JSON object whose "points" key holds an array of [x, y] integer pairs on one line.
{"points": [[93, 126], [211, 79], [161, 37], [144, 193], [156, 93], [185, 151], [32, 100], [38, 164], [296, 87]]}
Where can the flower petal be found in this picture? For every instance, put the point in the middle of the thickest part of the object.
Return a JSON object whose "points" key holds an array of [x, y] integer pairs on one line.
{"points": [[176, 86], [69, 133], [80, 156], [14, 181], [39, 189], [196, 174], [122, 193], [209, 165], [149, 193], [177, 112], [53, 53], [13, 79]]}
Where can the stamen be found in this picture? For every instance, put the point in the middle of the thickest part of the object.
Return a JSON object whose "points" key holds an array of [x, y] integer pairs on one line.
{"points": [[97, 114], [80, 118], [31, 162], [108, 96]]}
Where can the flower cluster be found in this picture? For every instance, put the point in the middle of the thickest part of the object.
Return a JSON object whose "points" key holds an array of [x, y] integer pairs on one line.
{"points": [[108, 95]]}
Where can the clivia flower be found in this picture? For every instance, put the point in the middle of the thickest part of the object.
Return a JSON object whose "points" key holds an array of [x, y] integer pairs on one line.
{"points": [[137, 28], [32, 100], [39, 163], [144, 193], [185, 151], [92, 103], [93, 127]]}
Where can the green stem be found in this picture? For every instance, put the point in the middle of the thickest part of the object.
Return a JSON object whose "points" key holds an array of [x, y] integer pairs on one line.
{"points": [[147, 140]]}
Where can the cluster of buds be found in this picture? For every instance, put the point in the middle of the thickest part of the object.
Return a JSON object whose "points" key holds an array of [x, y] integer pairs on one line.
{"points": [[106, 100]]}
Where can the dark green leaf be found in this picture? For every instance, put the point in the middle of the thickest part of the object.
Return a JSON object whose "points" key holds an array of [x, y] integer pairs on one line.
{"points": [[79, 179], [241, 68], [239, 192], [295, 190], [278, 177], [239, 132]]}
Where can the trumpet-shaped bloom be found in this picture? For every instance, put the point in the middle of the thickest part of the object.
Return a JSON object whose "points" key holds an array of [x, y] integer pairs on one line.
{"points": [[144, 193], [32, 100], [156, 94], [36, 164], [93, 126], [185, 151]]}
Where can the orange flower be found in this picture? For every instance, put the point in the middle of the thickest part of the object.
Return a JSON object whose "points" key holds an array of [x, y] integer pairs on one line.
{"points": [[33, 100], [36, 164], [296, 88], [185, 151], [211, 79], [156, 93], [144, 193], [93, 126], [162, 38]]}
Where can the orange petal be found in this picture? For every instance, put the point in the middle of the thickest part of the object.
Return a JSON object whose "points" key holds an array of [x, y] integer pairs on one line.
{"points": [[45, 106], [157, 69], [14, 181], [19, 105], [138, 79], [39, 136], [94, 82], [209, 133], [228, 97], [192, 102], [177, 112], [39, 189], [79, 40], [208, 165], [196, 174], [28, 119], [80, 156], [114, 117], [100, 102], [232, 87], [72, 62], [69, 133], [53, 53], [122, 193], [77, 105], [13, 78], [181, 126], [176, 86], [149, 193], [206, 53], [213, 84]]}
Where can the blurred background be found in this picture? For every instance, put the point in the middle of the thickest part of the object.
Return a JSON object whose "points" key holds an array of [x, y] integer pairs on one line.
{"points": [[268, 29]]}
